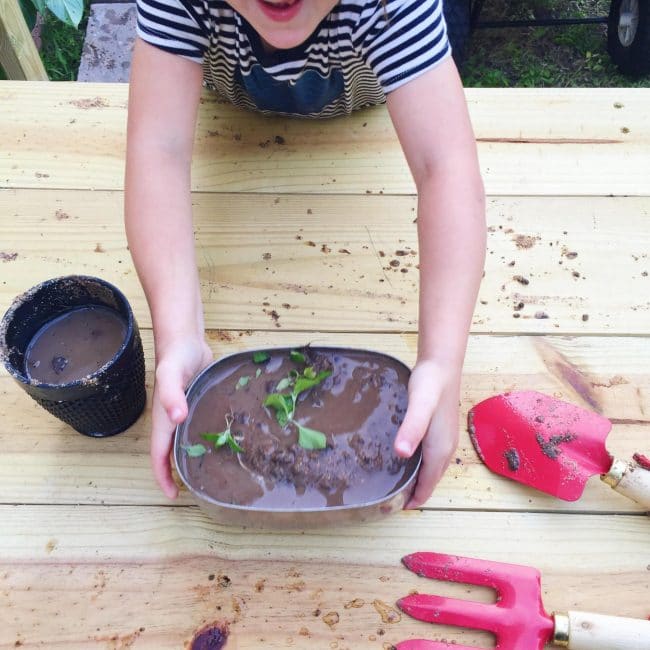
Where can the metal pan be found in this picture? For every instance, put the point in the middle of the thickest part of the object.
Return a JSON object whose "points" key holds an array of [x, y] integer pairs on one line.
{"points": [[295, 518]]}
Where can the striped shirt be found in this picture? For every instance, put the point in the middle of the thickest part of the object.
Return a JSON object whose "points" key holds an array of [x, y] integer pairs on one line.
{"points": [[361, 51]]}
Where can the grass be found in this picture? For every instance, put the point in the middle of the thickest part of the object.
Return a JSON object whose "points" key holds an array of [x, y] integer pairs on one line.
{"points": [[530, 57], [561, 56], [62, 45]]}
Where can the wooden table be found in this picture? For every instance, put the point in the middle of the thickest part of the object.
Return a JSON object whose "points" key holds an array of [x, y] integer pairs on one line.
{"points": [[302, 219]]}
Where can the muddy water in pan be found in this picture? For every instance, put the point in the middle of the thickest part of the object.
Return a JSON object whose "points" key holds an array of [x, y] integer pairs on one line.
{"points": [[359, 406]]}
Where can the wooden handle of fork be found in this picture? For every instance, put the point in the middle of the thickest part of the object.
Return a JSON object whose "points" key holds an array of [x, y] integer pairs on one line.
{"points": [[631, 480], [584, 631]]}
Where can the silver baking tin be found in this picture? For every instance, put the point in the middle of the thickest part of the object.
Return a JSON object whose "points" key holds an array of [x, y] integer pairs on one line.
{"points": [[293, 518]]}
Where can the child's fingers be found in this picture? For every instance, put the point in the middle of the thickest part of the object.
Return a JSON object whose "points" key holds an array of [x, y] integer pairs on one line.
{"points": [[169, 409], [170, 391], [161, 440], [416, 422], [435, 458]]}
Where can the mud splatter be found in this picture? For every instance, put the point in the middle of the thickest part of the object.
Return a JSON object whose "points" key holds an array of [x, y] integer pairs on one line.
{"points": [[388, 614], [472, 434], [355, 604], [642, 461], [8, 257], [525, 241], [211, 637], [512, 456], [551, 447], [521, 279], [331, 618], [85, 104]]}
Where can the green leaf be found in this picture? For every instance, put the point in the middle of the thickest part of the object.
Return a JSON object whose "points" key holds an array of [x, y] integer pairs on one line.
{"points": [[310, 438], [212, 437], [41, 5], [283, 406], [283, 384], [258, 372], [309, 372], [297, 357], [232, 443], [243, 381], [305, 383], [68, 11], [194, 451], [261, 357], [222, 439]]}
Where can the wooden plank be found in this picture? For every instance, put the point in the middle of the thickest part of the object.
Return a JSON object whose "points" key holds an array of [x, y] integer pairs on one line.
{"points": [[291, 262], [79, 577], [43, 461], [531, 141], [18, 54]]}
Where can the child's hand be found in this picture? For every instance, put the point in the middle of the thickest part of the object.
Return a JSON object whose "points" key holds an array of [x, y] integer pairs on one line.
{"points": [[432, 415], [175, 367]]}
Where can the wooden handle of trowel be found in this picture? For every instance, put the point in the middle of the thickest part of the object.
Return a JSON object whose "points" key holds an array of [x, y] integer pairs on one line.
{"points": [[583, 631], [631, 480]]}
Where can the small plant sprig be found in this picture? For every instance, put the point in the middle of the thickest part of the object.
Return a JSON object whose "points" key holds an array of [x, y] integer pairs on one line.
{"points": [[284, 404], [224, 438], [219, 439]]}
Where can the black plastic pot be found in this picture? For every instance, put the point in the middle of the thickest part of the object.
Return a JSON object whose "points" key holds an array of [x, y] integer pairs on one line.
{"points": [[101, 404]]}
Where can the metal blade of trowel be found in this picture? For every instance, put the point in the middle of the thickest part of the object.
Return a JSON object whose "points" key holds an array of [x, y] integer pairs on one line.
{"points": [[540, 441]]}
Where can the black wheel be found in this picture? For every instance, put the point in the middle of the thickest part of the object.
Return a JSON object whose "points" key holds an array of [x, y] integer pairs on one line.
{"points": [[457, 16], [628, 36]]}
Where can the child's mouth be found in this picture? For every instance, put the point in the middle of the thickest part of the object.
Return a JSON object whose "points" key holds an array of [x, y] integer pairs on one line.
{"points": [[281, 11]]}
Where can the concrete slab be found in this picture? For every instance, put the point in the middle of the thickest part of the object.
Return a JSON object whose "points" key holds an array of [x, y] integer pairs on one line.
{"points": [[110, 35]]}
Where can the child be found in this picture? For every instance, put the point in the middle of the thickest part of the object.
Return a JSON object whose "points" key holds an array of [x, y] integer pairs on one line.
{"points": [[312, 58]]}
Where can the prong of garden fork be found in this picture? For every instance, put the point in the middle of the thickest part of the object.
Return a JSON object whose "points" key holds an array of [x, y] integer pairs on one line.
{"points": [[517, 618], [454, 611], [424, 644]]}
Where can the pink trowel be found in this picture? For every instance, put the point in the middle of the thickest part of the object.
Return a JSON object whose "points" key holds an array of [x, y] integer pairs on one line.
{"points": [[552, 446], [517, 619]]}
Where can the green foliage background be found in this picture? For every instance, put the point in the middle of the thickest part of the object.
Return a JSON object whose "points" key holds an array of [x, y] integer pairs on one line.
{"points": [[534, 57]]}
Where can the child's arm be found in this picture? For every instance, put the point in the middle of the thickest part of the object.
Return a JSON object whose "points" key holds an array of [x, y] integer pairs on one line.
{"points": [[163, 100], [431, 119]]}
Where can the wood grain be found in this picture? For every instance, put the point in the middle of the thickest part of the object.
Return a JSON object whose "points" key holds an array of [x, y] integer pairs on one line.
{"points": [[297, 224], [19, 57], [150, 577], [531, 141], [348, 263]]}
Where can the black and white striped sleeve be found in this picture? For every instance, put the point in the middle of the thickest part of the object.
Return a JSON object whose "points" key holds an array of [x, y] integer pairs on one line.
{"points": [[401, 39], [174, 26]]}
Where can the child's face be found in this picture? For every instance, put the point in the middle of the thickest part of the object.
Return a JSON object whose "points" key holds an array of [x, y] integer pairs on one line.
{"points": [[283, 24]]}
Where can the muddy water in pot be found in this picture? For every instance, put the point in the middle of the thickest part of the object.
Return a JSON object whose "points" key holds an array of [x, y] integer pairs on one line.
{"points": [[359, 407], [74, 345]]}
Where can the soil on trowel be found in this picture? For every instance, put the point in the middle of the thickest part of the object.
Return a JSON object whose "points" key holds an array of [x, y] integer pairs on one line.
{"points": [[551, 447], [358, 405]]}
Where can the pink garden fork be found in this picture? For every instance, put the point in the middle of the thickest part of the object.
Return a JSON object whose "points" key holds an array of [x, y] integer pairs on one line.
{"points": [[517, 619]]}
